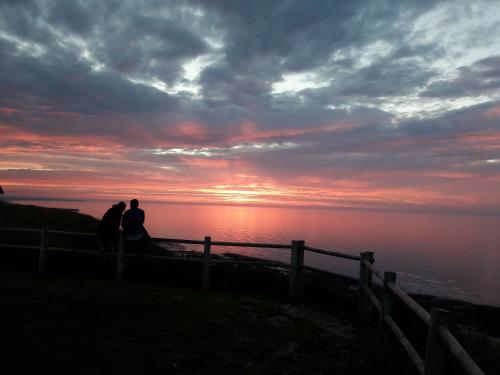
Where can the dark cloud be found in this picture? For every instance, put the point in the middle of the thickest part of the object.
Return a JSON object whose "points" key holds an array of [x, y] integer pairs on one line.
{"points": [[223, 86], [18, 15], [382, 78], [479, 78], [471, 119], [265, 40], [65, 83], [303, 34], [78, 16], [149, 46]]}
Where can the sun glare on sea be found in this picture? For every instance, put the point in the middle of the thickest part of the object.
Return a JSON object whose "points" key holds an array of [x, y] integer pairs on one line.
{"points": [[243, 194]]}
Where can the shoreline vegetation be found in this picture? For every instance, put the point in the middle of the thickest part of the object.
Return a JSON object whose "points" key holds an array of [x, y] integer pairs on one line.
{"points": [[246, 304]]}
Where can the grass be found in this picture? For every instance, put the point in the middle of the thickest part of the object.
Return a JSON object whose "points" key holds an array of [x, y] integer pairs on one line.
{"points": [[70, 325]]}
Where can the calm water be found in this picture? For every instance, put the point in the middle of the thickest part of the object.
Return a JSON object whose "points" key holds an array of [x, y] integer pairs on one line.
{"points": [[445, 255]]}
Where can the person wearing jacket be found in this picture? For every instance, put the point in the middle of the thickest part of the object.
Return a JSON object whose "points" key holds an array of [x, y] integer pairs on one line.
{"points": [[133, 222], [109, 227]]}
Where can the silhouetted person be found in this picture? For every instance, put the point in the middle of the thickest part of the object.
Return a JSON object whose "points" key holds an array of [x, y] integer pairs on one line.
{"points": [[109, 227], [133, 225]]}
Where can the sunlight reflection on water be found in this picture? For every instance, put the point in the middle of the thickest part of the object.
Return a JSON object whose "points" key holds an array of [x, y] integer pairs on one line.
{"points": [[451, 256]]}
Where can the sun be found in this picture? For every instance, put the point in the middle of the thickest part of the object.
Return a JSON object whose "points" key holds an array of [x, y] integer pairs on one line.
{"points": [[252, 193]]}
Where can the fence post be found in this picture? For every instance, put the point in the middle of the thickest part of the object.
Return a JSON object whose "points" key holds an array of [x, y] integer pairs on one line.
{"points": [[361, 286], [205, 281], [369, 284], [387, 308], [119, 258], [435, 353], [296, 288], [42, 260]]}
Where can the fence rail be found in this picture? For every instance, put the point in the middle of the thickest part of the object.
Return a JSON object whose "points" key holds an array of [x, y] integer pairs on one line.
{"points": [[440, 345], [34, 230], [79, 234], [331, 253], [411, 303]]}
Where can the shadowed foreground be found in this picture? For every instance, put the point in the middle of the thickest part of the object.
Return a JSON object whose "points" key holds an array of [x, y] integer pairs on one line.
{"points": [[69, 324], [79, 326]]}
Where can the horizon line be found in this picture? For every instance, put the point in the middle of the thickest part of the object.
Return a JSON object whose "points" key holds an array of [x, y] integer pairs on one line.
{"points": [[436, 210]]}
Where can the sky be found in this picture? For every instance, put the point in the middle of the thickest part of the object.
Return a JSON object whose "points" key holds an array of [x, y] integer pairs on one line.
{"points": [[390, 105]]}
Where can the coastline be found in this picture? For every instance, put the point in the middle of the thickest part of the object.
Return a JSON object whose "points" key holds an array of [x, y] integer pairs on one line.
{"points": [[15, 214]]}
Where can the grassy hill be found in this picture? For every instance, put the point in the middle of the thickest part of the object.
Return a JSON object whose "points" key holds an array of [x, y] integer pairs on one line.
{"points": [[28, 216], [77, 326]]}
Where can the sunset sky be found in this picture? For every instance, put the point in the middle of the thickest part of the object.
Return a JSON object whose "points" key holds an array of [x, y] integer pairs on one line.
{"points": [[362, 104]]}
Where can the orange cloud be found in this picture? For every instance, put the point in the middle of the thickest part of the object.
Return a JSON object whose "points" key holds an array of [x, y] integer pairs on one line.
{"points": [[84, 143], [206, 163]]}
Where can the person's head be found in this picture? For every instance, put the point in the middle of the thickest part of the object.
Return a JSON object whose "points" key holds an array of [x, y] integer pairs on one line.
{"points": [[134, 203], [121, 206]]}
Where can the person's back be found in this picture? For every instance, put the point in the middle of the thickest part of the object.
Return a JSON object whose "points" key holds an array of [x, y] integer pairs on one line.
{"points": [[133, 221], [109, 226], [110, 222]]}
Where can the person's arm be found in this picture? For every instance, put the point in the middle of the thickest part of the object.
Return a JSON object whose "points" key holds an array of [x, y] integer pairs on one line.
{"points": [[124, 221]]}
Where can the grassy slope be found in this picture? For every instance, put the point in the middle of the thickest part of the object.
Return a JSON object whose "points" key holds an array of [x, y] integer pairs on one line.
{"points": [[79, 326]]}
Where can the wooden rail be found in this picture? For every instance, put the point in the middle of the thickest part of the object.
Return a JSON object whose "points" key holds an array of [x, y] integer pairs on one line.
{"points": [[374, 271], [440, 345], [78, 234], [32, 230], [296, 265], [13, 246], [411, 303], [249, 244], [331, 253], [405, 343]]}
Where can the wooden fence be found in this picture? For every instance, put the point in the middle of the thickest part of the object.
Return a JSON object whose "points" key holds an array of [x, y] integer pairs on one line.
{"points": [[441, 346]]}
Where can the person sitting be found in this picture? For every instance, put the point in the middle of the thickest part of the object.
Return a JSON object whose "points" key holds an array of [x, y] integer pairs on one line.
{"points": [[133, 224], [109, 227]]}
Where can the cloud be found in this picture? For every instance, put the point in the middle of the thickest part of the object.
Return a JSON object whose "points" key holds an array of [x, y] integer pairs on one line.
{"points": [[480, 78], [304, 34], [321, 101]]}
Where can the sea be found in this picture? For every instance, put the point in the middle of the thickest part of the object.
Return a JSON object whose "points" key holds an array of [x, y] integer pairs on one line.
{"points": [[452, 256]]}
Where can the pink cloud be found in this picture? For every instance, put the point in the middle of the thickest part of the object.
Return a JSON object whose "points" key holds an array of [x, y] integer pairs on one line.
{"points": [[8, 111], [493, 112], [252, 132], [187, 130], [206, 163]]}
